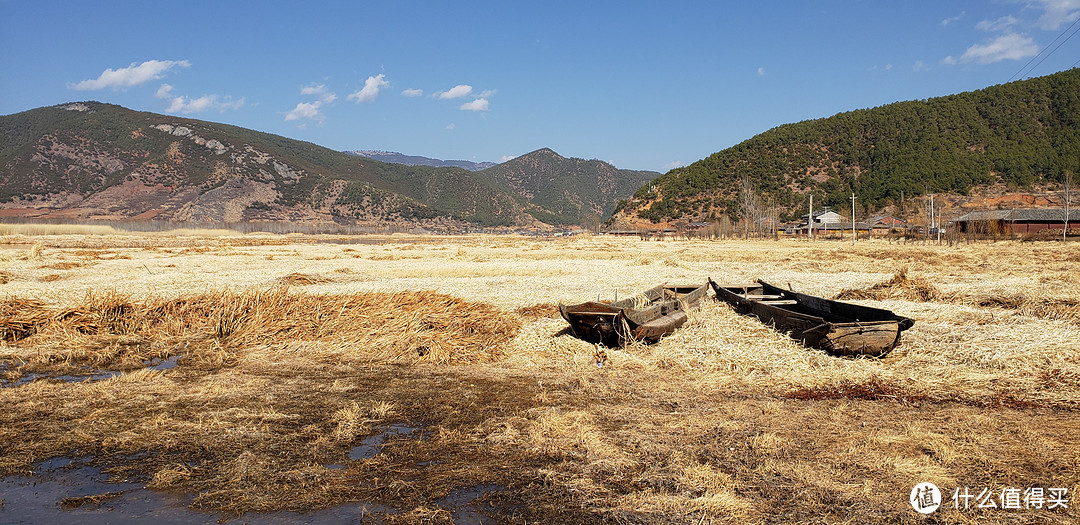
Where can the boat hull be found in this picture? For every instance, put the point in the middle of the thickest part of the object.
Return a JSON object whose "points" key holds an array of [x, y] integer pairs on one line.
{"points": [[837, 327], [654, 314]]}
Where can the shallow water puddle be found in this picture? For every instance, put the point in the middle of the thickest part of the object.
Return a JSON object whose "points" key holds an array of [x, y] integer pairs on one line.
{"points": [[67, 378], [462, 506], [90, 375], [161, 364], [65, 490], [371, 445]]}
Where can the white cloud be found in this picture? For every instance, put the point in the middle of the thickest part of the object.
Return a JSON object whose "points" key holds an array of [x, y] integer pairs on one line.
{"points": [[480, 104], [413, 92], [182, 104], [306, 110], [1010, 46], [1058, 13], [457, 91], [920, 66], [672, 165], [132, 75], [325, 95], [1001, 24], [505, 158], [956, 18], [487, 93], [450, 126], [370, 90], [761, 71]]}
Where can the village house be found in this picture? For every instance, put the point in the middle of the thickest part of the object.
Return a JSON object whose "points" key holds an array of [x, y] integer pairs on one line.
{"points": [[1018, 221], [883, 224], [824, 219]]}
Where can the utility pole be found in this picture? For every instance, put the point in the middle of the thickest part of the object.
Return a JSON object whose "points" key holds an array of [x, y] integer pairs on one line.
{"points": [[854, 234], [932, 227], [939, 226], [810, 220], [1068, 202]]}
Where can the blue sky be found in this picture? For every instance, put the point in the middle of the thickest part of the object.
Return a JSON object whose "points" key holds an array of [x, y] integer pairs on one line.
{"points": [[644, 85]]}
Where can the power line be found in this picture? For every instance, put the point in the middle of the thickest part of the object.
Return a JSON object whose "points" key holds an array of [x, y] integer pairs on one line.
{"points": [[1018, 73], [1056, 48]]}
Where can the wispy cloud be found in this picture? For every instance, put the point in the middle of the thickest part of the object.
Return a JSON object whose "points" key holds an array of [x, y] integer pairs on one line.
{"points": [[1000, 24], [370, 90], [133, 75], [672, 165], [325, 95], [457, 91], [480, 104], [413, 93], [1010, 46], [760, 71], [1057, 13], [956, 18], [183, 104]]}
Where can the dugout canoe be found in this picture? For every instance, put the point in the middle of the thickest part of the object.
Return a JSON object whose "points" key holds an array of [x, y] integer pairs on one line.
{"points": [[837, 327], [645, 317]]}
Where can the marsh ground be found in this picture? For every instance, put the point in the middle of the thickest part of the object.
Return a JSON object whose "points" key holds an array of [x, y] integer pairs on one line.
{"points": [[292, 351]]}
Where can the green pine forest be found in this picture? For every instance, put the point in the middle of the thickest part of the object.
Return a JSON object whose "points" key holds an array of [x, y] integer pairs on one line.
{"points": [[1020, 134]]}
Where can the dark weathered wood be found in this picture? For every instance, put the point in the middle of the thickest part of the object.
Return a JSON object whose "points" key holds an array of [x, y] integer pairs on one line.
{"points": [[837, 327], [653, 314]]}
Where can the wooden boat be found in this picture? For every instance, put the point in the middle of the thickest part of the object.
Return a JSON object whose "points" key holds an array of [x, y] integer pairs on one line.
{"points": [[647, 317], [837, 327]]}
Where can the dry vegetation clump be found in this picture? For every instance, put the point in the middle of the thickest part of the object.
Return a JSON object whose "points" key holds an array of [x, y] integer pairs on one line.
{"points": [[21, 318], [407, 326], [66, 265], [1030, 301], [901, 286], [303, 279], [538, 311]]}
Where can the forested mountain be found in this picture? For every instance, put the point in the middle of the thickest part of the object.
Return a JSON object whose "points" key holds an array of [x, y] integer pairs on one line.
{"points": [[91, 160], [1018, 134], [567, 190]]}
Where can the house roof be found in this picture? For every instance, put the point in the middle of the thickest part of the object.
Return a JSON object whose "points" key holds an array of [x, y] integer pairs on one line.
{"points": [[1019, 215], [886, 219], [819, 213]]}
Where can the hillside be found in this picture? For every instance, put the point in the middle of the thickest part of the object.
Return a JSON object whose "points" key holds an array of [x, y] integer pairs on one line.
{"points": [[394, 157], [1017, 136], [88, 160], [567, 190]]}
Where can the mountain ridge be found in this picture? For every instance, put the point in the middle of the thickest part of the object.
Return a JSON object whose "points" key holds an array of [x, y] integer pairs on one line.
{"points": [[1017, 135], [90, 160], [394, 157]]}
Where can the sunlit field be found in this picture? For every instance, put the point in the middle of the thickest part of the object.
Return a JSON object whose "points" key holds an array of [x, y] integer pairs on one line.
{"points": [[445, 357]]}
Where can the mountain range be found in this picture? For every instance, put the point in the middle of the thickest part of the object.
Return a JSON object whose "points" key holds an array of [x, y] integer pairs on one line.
{"points": [[394, 157], [95, 161]]}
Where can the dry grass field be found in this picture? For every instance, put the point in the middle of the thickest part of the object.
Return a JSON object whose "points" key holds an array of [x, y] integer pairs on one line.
{"points": [[445, 357]]}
